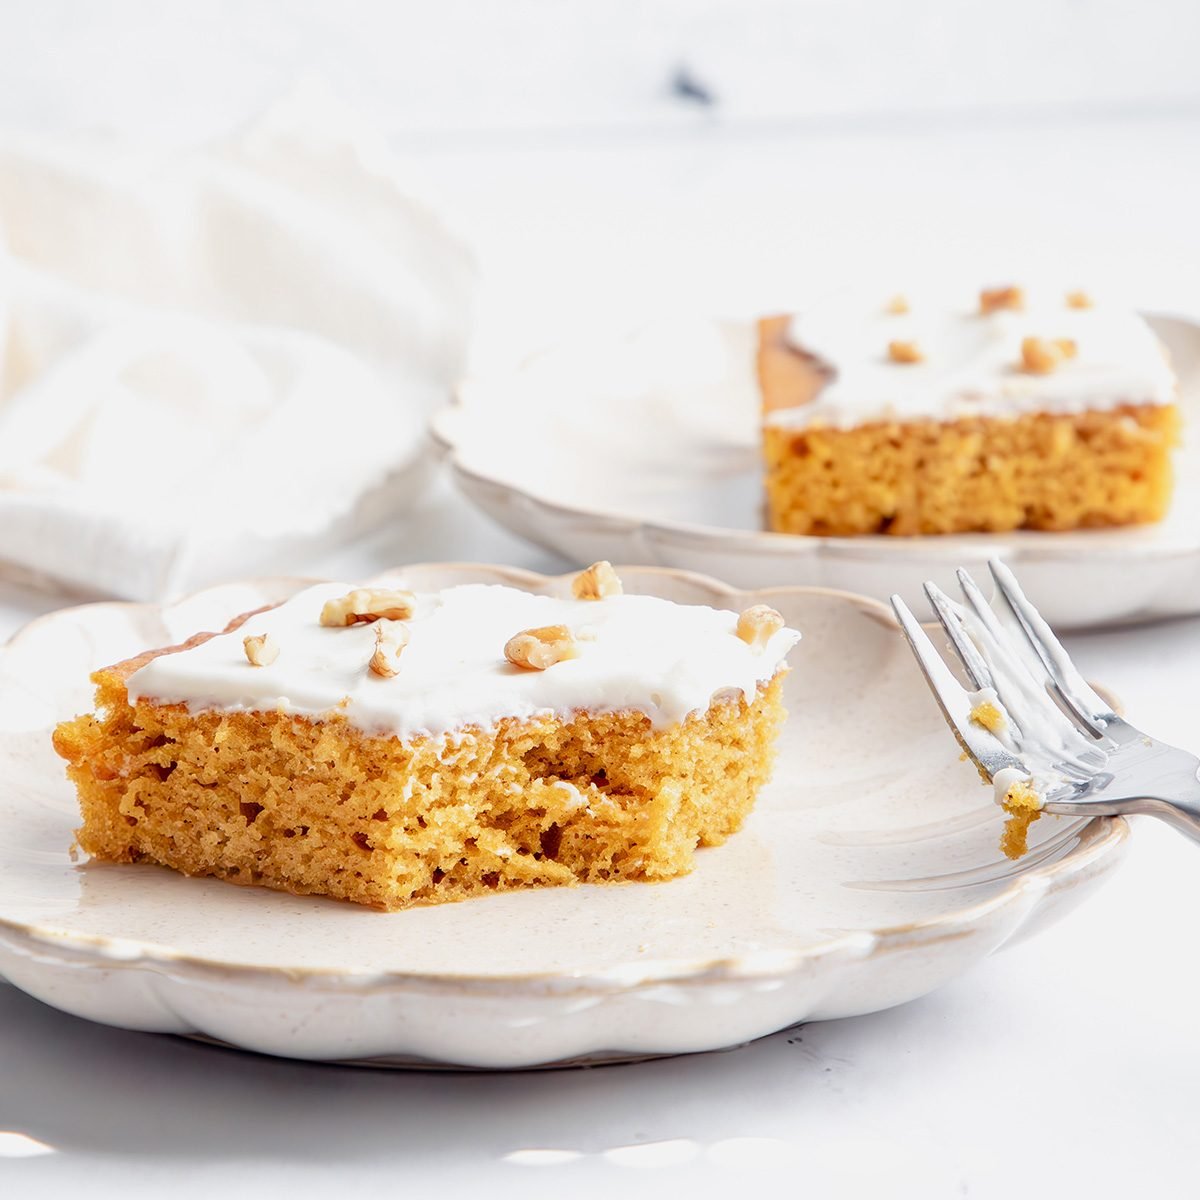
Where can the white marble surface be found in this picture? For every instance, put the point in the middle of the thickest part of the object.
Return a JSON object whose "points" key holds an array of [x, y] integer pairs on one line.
{"points": [[1065, 1066]]}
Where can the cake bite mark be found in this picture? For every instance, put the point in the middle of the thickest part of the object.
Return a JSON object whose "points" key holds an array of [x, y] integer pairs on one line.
{"points": [[390, 640], [364, 605], [758, 625], [1001, 299], [598, 582], [1079, 300], [897, 306], [1040, 356], [905, 352], [539, 649], [261, 651]]}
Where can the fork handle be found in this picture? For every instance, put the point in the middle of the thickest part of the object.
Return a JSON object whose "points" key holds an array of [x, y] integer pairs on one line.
{"points": [[1182, 815]]}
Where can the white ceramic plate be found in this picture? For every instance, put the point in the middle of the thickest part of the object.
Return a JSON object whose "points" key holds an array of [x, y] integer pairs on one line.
{"points": [[867, 875], [645, 447]]}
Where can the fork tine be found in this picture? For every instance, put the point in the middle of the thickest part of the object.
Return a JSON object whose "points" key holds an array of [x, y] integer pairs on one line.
{"points": [[980, 605], [987, 752], [999, 641], [947, 613], [1024, 649], [1062, 672], [1024, 687]]}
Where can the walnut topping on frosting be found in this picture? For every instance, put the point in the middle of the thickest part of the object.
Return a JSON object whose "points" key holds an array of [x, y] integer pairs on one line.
{"points": [[995, 299], [537, 649], [366, 605], [1040, 356], [598, 582], [758, 625], [905, 352], [261, 651], [390, 640], [897, 305], [1079, 300]]}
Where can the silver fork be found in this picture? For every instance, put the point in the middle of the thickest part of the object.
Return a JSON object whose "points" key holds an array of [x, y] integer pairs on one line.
{"points": [[1084, 758]]}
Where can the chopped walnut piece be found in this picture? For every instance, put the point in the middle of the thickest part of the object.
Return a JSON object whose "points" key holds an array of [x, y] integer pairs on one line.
{"points": [[366, 605], [758, 625], [1079, 300], [905, 352], [1040, 356], [994, 299], [390, 639], [537, 649], [897, 306], [598, 582], [261, 651]]}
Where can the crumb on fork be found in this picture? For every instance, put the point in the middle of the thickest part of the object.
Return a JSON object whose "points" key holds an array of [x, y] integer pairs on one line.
{"points": [[988, 716], [1024, 806]]}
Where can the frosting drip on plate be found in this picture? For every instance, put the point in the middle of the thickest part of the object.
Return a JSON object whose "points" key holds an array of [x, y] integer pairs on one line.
{"points": [[971, 363], [632, 652]]}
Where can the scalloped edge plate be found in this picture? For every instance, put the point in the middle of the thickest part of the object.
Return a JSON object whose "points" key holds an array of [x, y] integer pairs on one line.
{"points": [[868, 875]]}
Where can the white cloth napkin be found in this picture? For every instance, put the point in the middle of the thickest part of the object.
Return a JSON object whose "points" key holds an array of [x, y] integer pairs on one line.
{"points": [[214, 361]]}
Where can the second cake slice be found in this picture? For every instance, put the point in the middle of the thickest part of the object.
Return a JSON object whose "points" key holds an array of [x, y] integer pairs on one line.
{"points": [[932, 415]]}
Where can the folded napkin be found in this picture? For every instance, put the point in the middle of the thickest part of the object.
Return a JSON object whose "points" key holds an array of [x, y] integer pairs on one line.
{"points": [[216, 361]]}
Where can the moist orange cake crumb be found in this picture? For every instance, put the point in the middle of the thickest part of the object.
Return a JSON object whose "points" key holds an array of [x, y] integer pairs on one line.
{"points": [[1023, 806]]}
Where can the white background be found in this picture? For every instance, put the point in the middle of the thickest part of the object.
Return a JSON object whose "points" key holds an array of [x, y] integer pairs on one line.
{"points": [[1059, 137]]}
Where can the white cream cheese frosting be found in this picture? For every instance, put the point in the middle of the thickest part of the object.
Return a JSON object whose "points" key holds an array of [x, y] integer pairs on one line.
{"points": [[972, 362], [636, 653]]}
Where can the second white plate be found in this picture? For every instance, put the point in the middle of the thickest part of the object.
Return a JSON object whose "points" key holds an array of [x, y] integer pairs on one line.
{"points": [[645, 447]]}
